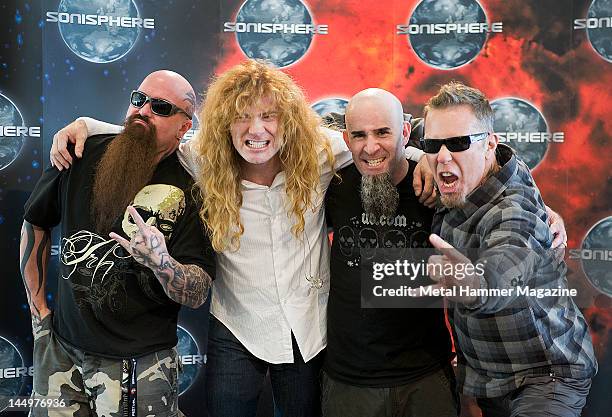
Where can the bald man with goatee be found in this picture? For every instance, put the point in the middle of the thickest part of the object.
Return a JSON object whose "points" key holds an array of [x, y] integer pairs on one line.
{"points": [[380, 361], [133, 250]]}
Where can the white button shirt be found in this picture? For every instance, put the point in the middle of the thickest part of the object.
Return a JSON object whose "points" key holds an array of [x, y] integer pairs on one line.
{"points": [[268, 287], [262, 292]]}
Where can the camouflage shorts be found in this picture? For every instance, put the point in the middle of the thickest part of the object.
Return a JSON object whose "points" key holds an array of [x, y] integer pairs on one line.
{"points": [[92, 386]]}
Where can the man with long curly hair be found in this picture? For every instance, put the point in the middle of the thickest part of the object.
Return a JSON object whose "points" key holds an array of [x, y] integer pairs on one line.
{"points": [[263, 163]]}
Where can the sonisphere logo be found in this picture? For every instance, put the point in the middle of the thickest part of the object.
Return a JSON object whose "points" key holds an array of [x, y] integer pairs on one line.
{"points": [[596, 255], [12, 372], [522, 126], [598, 26], [98, 30], [447, 34], [278, 31], [190, 357], [12, 131]]}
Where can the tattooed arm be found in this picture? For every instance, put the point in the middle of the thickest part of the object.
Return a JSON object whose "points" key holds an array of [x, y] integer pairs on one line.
{"points": [[34, 250], [185, 284]]}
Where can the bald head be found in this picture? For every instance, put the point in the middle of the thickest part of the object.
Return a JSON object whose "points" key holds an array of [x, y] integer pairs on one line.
{"points": [[174, 87], [376, 133], [379, 99]]}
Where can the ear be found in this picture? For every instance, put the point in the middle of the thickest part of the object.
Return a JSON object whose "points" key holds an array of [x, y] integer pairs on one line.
{"points": [[184, 128], [406, 129], [345, 136], [491, 145]]}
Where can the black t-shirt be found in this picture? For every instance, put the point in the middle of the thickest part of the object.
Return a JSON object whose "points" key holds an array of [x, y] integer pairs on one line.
{"points": [[377, 347], [107, 304]]}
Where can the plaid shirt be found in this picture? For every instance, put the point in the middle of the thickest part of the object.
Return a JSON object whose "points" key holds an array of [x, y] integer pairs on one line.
{"points": [[502, 339]]}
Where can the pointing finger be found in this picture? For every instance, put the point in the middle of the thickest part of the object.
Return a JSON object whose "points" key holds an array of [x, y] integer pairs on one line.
{"points": [[447, 249]]}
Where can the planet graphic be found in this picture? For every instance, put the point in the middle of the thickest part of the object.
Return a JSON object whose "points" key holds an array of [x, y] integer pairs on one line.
{"points": [[326, 107], [187, 346], [9, 358], [280, 49], [330, 105], [599, 269], [99, 43], [10, 146], [448, 50], [519, 116], [601, 38]]}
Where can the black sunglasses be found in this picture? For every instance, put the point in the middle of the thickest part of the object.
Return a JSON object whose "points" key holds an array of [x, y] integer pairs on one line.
{"points": [[159, 106], [454, 144]]}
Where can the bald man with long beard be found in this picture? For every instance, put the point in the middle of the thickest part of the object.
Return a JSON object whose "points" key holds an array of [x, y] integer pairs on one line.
{"points": [[133, 250], [380, 361]]}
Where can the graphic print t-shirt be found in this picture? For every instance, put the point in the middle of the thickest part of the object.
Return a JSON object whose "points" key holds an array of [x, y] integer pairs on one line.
{"points": [[108, 304], [377, 347]]}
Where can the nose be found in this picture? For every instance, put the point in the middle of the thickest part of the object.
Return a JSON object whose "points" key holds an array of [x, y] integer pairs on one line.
{"points": [[256, 126], [444, 156], [146, 110], [371, 146]]}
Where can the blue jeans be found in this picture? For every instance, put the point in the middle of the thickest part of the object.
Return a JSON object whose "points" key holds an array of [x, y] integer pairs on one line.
{"points": [[540, 396], [235, 378]]}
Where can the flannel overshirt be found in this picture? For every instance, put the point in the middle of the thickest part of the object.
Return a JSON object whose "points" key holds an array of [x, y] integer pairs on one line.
{"points": [[500, 340]]}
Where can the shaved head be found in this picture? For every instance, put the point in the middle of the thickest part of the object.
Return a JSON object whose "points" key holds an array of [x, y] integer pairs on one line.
{"points": [[172, 87], [376, 97]]}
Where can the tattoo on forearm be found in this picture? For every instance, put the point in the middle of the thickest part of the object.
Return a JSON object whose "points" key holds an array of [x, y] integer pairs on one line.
{"points": [[33, 286], [40, 255], [185, 284]]}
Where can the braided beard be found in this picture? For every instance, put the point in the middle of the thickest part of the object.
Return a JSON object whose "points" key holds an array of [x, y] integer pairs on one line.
{"points": [[379, 195]]}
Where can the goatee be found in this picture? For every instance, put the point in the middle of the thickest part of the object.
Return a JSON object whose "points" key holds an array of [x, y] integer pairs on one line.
{"points": [[125, 168], [379, 195]]}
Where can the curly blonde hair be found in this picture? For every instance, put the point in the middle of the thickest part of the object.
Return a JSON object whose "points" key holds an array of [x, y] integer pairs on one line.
{"points": [[219, 163]]}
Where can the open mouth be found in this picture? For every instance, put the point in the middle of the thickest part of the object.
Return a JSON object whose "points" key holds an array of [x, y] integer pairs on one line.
{"points": [[257, 144], [373, 163], [448, 179]]}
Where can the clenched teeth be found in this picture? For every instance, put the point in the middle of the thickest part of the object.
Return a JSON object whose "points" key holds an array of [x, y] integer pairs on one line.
{"points": [[256, 144], [375, 162]]}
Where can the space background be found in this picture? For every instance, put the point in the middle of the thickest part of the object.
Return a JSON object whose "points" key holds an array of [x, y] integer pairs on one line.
{"points": [[542, 72]]}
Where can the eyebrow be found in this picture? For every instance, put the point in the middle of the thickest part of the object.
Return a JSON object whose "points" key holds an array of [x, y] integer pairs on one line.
{"points": [[379, 130]]}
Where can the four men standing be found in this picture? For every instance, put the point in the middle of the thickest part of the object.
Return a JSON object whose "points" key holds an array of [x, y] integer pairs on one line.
{"points": [[263, 166]]}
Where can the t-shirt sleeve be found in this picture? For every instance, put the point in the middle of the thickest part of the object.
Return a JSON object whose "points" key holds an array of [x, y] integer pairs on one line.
{"points": [[98, 127], [187, 157], [43, 208], [190, 243], [413, 154]]}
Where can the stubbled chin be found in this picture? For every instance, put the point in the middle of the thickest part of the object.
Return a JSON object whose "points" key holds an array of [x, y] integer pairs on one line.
{"points": [[452, 200]]}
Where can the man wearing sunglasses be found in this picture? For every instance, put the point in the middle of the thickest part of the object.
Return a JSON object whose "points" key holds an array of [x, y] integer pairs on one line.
{"points": [[517, 354], [133, 250]]}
